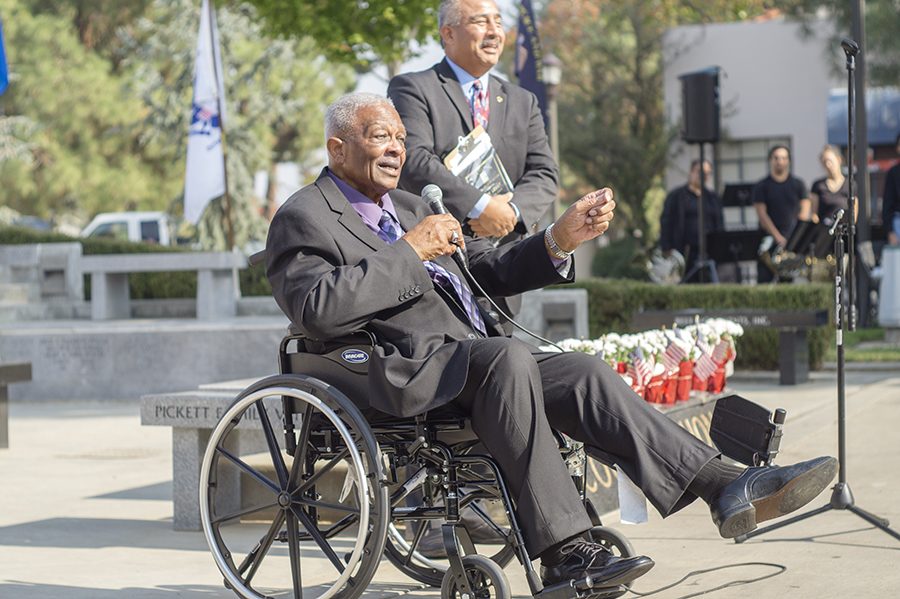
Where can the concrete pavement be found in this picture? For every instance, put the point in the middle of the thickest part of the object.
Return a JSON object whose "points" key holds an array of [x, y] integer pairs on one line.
{"points": [[85, 510]]}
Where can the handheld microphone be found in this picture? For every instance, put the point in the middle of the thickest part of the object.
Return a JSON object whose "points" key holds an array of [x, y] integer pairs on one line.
{"points": [[434, 197]]}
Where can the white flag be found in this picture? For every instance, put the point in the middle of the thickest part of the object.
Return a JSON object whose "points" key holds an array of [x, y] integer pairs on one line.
{"points": [[205, 173]]}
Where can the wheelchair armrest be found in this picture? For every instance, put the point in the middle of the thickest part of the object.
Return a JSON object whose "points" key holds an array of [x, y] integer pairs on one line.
{"points": [[324, 346], [745, 431]]}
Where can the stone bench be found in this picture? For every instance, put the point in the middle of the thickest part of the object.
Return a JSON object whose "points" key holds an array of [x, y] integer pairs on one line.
{"points": [[792, 326], [554, 313], [192, 416], [9, 373], [217, 284]]}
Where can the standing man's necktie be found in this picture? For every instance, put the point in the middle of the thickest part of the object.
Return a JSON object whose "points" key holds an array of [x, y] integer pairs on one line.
{"points": [[481, 106], [389, 231]]}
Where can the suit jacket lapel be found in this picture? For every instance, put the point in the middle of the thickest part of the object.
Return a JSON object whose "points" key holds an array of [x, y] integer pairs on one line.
{"points": [[408, 218], [454, 92], [348, 216], [498, 102]]}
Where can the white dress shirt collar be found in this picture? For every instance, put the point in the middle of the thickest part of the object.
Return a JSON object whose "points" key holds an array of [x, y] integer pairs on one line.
{"points": [[466, 79]]}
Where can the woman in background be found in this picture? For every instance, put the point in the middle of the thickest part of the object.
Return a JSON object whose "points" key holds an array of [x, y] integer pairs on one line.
{"points": [[831, 193]]}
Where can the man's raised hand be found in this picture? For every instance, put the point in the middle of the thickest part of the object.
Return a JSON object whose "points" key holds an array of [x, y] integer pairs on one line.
{"points": [[586, 219]]}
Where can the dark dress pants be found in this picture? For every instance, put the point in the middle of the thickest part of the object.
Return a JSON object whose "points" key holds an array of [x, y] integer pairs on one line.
{"points": [[514, 396]]}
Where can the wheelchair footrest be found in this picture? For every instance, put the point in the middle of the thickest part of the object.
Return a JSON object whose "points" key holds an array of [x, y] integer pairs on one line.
{"points": [[745, 431], [579, 589]]}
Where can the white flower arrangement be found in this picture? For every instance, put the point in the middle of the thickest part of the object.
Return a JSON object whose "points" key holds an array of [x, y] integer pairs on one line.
{"points": [[614, 347]]}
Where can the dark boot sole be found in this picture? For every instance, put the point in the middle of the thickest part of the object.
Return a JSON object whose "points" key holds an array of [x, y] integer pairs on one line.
{"points": [[792, 496]]}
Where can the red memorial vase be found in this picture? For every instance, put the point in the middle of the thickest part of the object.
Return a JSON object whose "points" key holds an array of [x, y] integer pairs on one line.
{"points": [[685, 373]]}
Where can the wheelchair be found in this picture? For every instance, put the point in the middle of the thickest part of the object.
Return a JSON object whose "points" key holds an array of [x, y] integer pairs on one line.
{"points": [[329, 482]]}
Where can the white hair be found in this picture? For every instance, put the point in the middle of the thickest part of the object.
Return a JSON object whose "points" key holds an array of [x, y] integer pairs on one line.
{"points": [[340, 116], [449, 13]]}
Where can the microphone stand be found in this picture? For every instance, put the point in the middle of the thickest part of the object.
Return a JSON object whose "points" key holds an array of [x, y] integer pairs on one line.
{"points": [[844, 225]]}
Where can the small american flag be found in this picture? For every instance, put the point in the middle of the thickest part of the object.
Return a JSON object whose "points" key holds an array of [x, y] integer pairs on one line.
{"points": [[673, 356], [720, 353], [642, 367], [705, 366]]}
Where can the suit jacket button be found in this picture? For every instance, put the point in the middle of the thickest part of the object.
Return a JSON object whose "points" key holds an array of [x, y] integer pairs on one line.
{"points": [[417, 289], [472, 336]]}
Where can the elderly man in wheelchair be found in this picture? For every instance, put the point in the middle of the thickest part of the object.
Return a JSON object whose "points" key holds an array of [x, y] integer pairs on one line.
{"points": [[398, 367]]}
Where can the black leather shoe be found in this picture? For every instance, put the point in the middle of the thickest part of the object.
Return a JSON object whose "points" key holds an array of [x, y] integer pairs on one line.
{"points": [[764, 493], [604, 568]]}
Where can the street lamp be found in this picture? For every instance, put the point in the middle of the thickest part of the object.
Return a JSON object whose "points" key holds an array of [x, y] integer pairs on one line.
{"points": [[551, 73]]}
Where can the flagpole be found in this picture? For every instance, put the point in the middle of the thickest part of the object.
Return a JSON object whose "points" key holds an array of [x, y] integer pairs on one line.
{"points": [[226, 197]]}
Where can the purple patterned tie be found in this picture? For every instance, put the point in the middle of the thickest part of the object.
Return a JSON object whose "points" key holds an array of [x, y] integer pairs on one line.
{"points": [[389, 231], [480, 105]]}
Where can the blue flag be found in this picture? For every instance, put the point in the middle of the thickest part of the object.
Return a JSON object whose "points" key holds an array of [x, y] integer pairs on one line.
{"points": [[529, 57], [4, 73]]}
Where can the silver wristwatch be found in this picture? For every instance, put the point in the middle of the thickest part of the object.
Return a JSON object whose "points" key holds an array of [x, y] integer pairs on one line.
{"points": [[555, 250]]}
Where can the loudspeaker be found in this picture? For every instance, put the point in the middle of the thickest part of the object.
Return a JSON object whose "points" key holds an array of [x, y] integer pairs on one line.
{"points": [[700, 106]]}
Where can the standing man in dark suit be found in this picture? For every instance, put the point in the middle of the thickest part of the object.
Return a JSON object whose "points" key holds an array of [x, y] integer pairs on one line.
{"points": [[445, 102], [350, 252], [679, 224]]}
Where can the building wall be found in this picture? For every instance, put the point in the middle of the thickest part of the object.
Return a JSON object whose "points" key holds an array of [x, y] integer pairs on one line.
{"points": [[774, 83]]}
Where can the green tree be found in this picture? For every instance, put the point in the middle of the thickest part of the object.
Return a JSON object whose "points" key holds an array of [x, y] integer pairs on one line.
{"points": [[82, 150], [882, 32], [15, 135], [97, 22], [276, 93], [356, 33]]}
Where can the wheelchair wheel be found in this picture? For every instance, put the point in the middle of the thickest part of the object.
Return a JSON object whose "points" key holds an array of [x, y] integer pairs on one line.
{"points": [[400, 550], [427, 570], [486, 579], [270, 491], [619, 545]]}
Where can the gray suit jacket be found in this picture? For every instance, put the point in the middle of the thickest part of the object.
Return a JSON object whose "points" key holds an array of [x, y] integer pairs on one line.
{"points": [[436, 114], [331, 275]]}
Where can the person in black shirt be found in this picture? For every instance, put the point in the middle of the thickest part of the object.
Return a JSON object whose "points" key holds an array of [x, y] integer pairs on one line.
{"points": [[679, 224], [780, 200], [890, 206], [831, 193]]}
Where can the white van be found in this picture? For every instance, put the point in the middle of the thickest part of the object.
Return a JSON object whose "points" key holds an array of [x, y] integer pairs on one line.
{"points": [[149, 227]]}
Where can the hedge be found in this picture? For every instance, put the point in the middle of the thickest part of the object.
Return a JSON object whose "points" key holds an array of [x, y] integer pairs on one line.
{"points": [[612, 303], [144, 285]]}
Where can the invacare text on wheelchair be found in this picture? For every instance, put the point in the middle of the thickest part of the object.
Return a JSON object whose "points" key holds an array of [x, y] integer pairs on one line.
{"points": [[325, 486]]}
